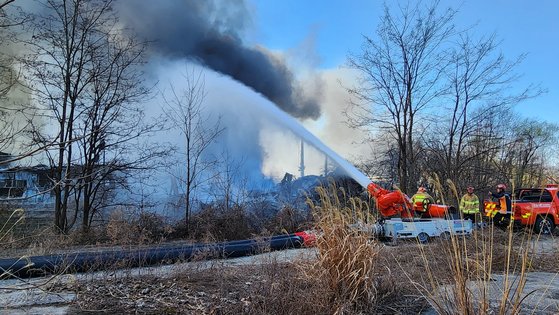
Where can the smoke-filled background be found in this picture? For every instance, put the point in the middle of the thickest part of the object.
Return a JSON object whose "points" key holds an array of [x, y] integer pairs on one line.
{"points": [[243, 80]]}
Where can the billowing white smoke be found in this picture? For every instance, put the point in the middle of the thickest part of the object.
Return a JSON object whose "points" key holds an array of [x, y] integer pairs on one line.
{"points": [[246, 81], [257, 135]]}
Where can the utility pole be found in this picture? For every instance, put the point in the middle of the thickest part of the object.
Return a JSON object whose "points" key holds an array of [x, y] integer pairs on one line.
{"points": [[302, 164]]}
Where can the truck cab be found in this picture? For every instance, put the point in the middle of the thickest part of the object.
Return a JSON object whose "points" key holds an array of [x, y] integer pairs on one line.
{"points": [[537, 208]]}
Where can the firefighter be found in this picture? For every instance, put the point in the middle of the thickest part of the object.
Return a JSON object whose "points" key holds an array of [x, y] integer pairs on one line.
{"points": [[469, 205], [503, 217], [421, 201]]}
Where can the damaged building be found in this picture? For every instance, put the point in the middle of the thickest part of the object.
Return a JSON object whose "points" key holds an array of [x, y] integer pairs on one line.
{"points": [[24, 183]]}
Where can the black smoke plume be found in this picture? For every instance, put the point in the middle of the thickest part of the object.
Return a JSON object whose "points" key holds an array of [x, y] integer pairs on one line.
{"points": [[209, 31]]}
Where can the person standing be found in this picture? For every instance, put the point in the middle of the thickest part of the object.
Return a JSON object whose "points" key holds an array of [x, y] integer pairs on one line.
{"points": [[469, 205], [504, 206]]}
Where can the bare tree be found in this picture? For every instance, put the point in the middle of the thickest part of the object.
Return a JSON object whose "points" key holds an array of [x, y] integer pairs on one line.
{"points": [[523, 156], [14, 18], [85, 76], [227, 186], [111, 120], [400, 74], [479, 83], [5, 3], [419, 61], [11, 16], [481, 149], [184, 109], [59, 70]]}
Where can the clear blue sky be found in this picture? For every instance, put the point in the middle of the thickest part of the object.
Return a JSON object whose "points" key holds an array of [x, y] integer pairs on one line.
{"points": [[524, 26]]}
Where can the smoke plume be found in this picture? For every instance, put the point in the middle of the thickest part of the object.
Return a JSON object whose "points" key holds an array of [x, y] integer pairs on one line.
{"points": [[209, 32]]}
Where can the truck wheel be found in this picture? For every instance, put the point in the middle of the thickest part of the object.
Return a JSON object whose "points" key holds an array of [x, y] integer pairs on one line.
{"points": [[544, 225], [423, 238]]}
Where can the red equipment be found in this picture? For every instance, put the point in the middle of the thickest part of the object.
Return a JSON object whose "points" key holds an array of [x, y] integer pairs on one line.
{"points": [[391, 203]]}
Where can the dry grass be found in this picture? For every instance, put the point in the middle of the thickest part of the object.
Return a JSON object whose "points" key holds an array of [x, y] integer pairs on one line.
{"points": [[24, 235], [347, 259], [263, 289], [10, 219], [479, 274], [352, 274], [269, 287], [459, 274]]}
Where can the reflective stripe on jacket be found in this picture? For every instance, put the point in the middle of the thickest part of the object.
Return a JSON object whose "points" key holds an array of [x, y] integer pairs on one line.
{"points": [[504, 202], [419, 199], [503, 205], [469, 204]]}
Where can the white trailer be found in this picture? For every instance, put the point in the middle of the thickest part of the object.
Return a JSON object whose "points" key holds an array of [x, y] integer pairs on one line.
{"points": [[422, 229]]}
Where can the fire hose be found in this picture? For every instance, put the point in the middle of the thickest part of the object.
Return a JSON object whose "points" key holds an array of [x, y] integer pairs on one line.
{"points": [[36, 266]]}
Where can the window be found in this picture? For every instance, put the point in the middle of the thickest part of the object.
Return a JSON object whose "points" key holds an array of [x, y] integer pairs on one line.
{"points": [[535, 195]]}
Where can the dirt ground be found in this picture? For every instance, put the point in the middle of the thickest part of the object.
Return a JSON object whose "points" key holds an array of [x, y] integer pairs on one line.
{"points": [[193, 287]]}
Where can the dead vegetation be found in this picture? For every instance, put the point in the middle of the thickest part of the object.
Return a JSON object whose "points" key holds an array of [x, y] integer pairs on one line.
{"points": [[351, 274]]}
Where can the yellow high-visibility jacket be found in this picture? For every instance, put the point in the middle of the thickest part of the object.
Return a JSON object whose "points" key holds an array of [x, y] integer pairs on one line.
{"points": [[469, 204], [418, 199]]}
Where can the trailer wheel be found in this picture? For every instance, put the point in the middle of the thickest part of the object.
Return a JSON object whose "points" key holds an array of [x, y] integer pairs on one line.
{"points": [[423, 238], [445, 236], [544, 225]]}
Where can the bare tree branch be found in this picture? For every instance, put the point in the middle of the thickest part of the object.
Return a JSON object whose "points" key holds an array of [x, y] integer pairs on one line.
{"points": [[184, 108], [401, 72]]}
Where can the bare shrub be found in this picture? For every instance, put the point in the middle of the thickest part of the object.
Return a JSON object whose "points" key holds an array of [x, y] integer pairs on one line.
{"points": [[221, 223], [153, 227], [288, 220], [124, 229], [119, 229]]}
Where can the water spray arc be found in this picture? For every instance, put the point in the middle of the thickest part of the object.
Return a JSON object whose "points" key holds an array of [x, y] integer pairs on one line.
{"points": [[306, 136]]}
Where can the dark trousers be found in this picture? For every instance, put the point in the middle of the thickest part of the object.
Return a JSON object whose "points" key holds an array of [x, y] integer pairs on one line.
{"points": [[502, 220]]}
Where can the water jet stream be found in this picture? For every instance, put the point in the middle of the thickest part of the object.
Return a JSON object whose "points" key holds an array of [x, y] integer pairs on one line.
{"points": [[296, 127]]}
